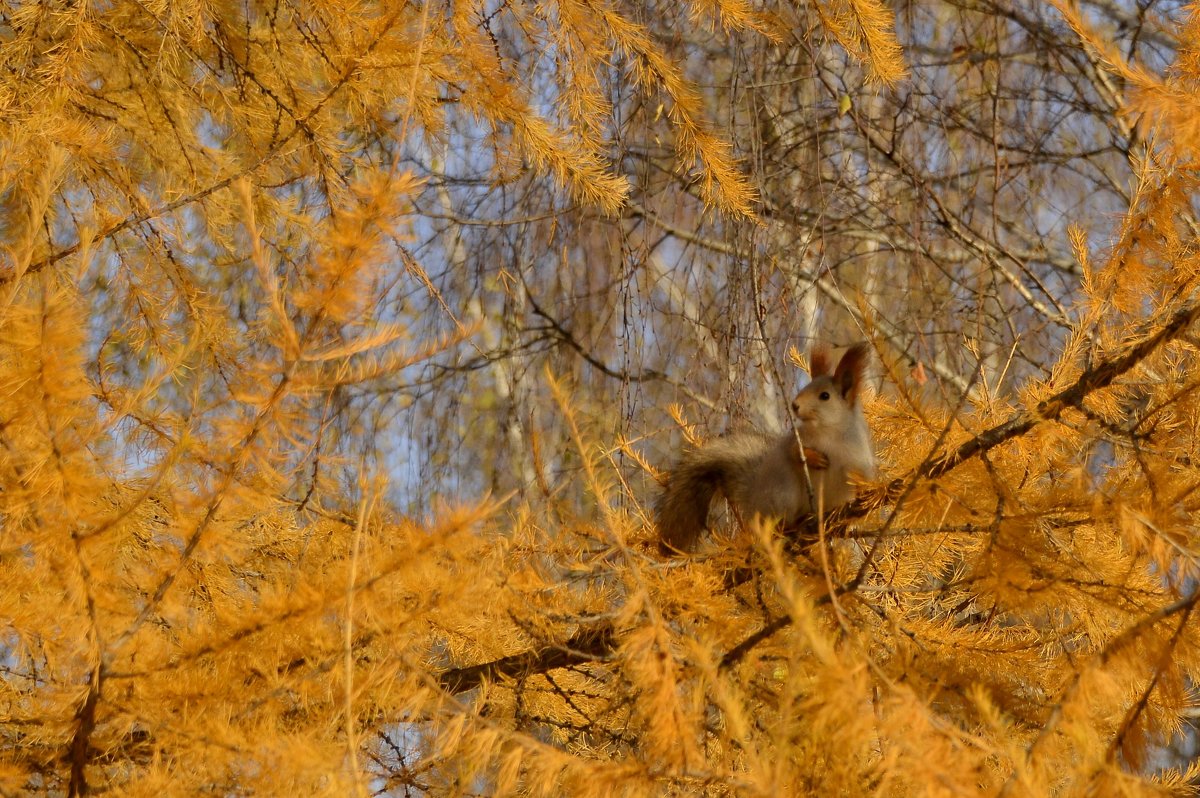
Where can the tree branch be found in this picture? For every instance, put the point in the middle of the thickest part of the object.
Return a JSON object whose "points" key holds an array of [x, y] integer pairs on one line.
{"points": [[1095, 378], [594, 643]]}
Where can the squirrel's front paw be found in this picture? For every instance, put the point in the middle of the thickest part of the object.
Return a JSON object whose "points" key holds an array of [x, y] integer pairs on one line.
{"points": [[815, 459]]}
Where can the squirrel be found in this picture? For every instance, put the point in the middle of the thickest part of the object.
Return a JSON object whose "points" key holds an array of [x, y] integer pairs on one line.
{"points": [[765, 475]]}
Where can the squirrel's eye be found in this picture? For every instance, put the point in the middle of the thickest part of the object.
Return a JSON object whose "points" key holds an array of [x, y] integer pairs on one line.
{"points": [[824, 396]]}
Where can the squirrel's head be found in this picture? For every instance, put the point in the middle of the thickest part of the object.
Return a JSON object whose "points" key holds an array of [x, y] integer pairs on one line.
{"points": [[830, 400]]}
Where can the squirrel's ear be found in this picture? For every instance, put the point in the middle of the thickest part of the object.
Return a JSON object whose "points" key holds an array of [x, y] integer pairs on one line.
{"points": [[849, 373], [818, 362]]}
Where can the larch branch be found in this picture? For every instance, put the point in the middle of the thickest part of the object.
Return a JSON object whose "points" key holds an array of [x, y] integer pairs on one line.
{"points": [[593, 643]]}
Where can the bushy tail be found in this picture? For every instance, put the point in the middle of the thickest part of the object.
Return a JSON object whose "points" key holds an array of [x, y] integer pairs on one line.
{"points": [[681, 513]]}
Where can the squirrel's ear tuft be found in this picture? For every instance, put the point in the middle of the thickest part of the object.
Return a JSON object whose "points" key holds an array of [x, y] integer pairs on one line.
{"points": [[819, 364], [850, 370]]}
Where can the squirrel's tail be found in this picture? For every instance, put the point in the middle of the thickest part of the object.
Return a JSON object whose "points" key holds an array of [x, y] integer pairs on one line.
{"points": [[681, 513]]}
